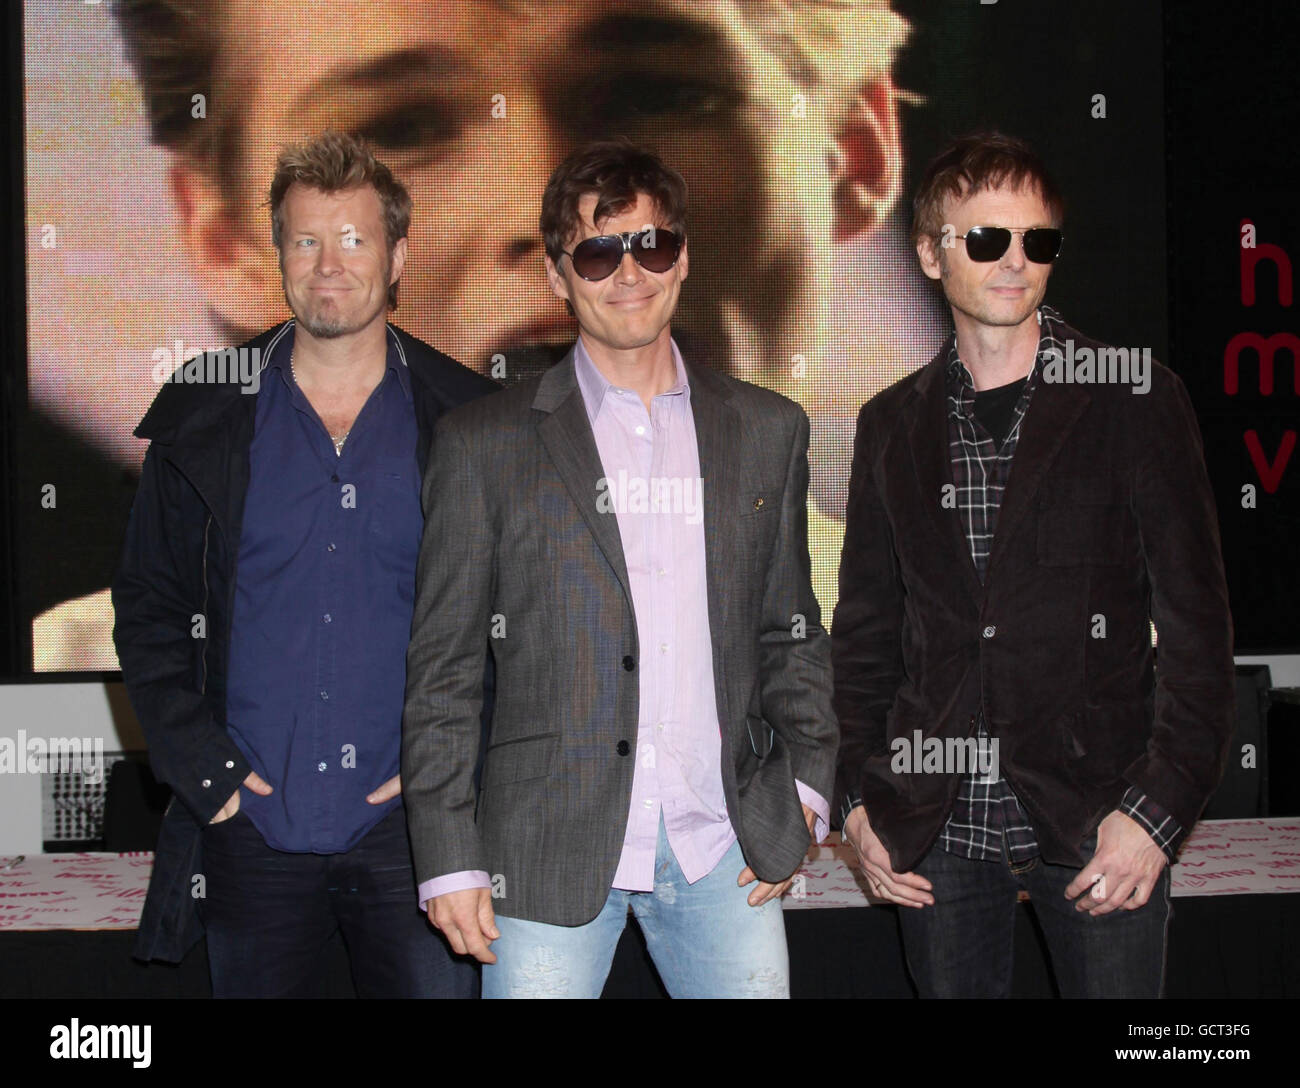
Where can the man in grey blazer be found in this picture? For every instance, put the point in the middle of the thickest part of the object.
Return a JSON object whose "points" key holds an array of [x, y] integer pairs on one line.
{"points": [[629, 531]]}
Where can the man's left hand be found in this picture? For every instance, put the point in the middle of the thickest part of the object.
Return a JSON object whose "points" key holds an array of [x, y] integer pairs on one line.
{"points": [[764, 891], [387, 791], [1122, 872]]}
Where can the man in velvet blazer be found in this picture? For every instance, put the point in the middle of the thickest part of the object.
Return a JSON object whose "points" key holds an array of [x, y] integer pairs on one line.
{"points": [[1017, 520]]}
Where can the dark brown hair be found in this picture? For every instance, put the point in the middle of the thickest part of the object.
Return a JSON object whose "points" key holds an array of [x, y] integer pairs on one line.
{"points": [[616, 171], [336, 162], [973, 163], [176, 49]]}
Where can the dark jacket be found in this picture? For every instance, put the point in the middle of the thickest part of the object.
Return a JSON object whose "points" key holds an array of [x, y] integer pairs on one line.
{"points": [[177, 565], [1107, 513]]}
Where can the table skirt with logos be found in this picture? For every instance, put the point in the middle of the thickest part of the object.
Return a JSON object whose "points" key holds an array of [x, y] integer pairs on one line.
{"points": [[67, 925]]}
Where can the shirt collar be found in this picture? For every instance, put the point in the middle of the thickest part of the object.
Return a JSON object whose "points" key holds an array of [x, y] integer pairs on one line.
{"points": [[282, 353], [594, 385]]}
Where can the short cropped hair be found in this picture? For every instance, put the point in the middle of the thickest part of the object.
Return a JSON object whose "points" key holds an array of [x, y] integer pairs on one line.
{"points": [[616, 171], [336, 162], [972, 164]]}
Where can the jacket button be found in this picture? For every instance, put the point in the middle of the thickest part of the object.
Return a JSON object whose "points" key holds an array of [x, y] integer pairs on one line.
{"points": [[629, 663], [230, 764], [623, 748], [207, 782], [990, 631]]}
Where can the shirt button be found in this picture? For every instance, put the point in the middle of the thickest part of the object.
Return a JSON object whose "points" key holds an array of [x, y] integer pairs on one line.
{"points": [[660, 726], [230, 764], [207, 782], [321, 765], [640, 429], [334, 479], [662, 572], [325, 695], [328, 618], [329, 547], [622, 748], [649, 802], [990, 631], [663, 647]]}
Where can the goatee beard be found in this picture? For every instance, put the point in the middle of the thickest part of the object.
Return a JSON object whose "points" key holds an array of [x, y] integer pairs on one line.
{"points": [[326, 328]]}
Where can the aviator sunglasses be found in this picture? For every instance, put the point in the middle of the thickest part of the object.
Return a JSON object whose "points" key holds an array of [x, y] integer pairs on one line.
{"points": [[655, 250], [1042, 245]]}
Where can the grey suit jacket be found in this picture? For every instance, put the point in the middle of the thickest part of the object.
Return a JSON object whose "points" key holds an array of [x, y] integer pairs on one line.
{"points": [[518, 558]]}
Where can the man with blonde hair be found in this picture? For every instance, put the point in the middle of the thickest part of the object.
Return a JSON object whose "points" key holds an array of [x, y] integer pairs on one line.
{"points": [[263, 604]]}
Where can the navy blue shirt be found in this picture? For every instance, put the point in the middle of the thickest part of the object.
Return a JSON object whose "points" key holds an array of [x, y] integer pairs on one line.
{"points": [[324, 591]]}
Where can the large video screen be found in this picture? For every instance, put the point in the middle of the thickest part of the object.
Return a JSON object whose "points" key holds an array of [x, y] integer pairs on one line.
{"points": [[800, 125]]}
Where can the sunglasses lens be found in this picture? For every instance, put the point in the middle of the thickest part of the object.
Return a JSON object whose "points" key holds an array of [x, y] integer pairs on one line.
{"points": [[596, 258], [1042, 245], [987, 243], [656, 250]]}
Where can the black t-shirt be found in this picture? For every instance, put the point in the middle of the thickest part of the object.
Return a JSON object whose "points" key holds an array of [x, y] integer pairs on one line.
{"points": [[995, 409]]}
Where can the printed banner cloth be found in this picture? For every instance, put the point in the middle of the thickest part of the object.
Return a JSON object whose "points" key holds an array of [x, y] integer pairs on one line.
{"points": [[106, 891], [1220, 857]]}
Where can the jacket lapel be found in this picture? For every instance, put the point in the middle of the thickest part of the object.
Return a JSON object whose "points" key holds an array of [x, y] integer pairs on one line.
{"points": [[566, 433], [1053, 412], [928, 438], [718, 437]]}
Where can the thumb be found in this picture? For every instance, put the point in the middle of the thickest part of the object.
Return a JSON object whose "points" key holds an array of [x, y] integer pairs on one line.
{"points": [[746, 877], [255, 783], [487, 918]]}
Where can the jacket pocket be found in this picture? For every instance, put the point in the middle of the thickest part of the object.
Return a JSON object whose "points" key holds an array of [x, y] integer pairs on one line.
{"points": [[762, 737], [519, 759]]}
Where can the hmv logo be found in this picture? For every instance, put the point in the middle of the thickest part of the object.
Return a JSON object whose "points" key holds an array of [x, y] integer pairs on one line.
{"points": [[1263, 350]]}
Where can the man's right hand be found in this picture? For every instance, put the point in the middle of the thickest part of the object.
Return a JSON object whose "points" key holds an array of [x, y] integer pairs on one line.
{"points": [[253, 782], [906, 889], [466, 919]]}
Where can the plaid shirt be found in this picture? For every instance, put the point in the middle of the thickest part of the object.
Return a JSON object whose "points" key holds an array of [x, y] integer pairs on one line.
{"points": [[987, 812]]}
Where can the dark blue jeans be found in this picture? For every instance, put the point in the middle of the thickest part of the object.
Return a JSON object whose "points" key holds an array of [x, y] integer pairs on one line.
{"points": [[269, 914], [963, 945]]}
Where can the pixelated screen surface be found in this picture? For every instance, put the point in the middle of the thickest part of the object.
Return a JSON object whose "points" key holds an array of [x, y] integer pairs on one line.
{"points": [[152, 130]]}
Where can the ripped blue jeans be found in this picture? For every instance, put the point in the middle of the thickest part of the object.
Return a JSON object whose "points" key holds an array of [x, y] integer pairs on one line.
{"points": [[705, 940]]}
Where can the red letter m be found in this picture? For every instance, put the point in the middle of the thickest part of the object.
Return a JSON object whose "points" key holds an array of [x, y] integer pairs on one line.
{"points": [[1265, 349]]}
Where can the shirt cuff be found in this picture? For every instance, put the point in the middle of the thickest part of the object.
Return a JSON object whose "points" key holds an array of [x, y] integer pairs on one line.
{"points": [[852, 799], [1154, 820], [815, 801], [452, 882]]}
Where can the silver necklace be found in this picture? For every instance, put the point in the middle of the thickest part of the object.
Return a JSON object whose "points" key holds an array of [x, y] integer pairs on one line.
{"points": [[337, 439]]}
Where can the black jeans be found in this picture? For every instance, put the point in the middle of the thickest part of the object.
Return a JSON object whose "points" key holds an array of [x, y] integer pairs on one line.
{"points": [[963, 945], [269, 914]]}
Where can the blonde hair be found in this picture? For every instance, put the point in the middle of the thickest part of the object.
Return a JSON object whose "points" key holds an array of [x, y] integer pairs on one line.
{"points": [[336, 162]]}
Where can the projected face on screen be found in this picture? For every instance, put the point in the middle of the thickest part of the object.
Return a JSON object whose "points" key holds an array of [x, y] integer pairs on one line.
{"points": [[781, 116], [787, 144]]}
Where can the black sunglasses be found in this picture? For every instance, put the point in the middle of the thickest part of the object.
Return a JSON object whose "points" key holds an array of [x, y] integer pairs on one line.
{"points": [[655, 250], [1042, 245]]}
